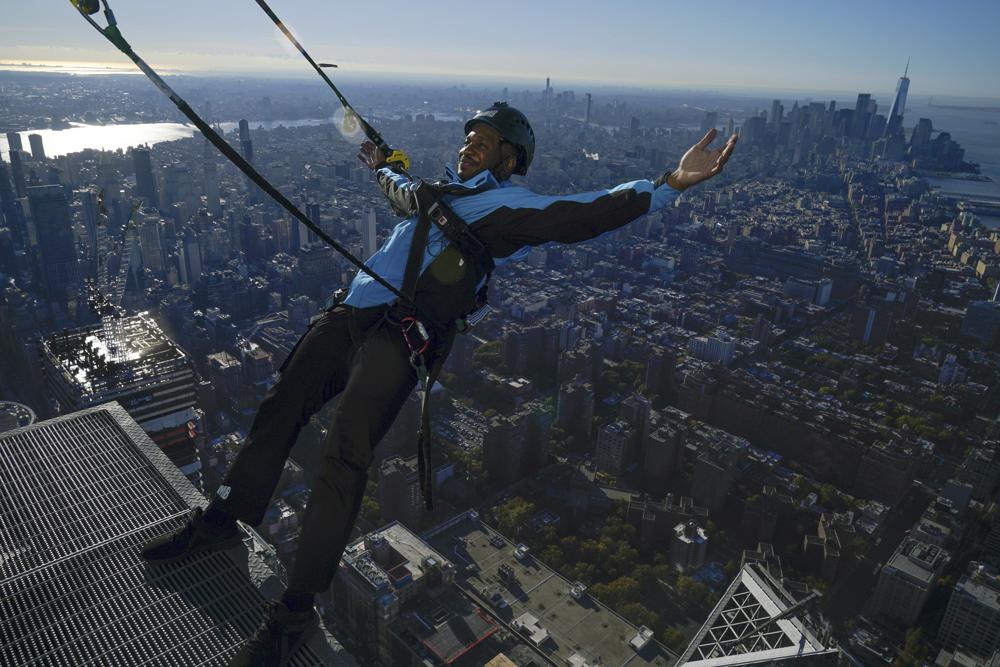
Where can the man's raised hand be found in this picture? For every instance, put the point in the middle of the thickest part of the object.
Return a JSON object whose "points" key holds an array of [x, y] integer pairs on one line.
{"points": [[371, 155], [699, 163]]}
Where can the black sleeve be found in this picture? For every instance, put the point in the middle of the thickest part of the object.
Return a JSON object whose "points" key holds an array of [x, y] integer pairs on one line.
{"points": [[571, 219]]}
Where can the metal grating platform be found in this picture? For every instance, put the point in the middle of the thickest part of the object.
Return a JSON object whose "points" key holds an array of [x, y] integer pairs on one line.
{"points": [[78, 496]]}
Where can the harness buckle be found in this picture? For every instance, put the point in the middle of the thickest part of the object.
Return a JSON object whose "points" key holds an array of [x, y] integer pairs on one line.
{"points": [[415, 334], [436, 214]]}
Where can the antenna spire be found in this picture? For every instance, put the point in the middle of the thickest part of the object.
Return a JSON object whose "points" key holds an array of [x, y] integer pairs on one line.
{"points": [[905, 71]]}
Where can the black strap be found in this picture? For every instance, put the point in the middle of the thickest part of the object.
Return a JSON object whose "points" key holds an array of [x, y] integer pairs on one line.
{"points": [[414, 263], [453, 228], [424, 470]]}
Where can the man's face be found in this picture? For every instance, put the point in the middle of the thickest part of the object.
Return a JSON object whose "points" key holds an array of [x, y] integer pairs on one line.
{"points": [[481, 150]]}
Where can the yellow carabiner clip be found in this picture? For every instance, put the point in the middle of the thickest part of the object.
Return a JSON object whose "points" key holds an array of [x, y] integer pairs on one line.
{"points": [[399, 157]]}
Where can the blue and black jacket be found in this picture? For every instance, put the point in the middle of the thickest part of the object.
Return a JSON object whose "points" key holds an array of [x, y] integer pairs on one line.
{"points": [[507, 219]]}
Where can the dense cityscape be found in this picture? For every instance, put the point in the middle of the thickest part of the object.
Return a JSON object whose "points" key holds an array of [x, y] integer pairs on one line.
{"points": [[779, 395]]}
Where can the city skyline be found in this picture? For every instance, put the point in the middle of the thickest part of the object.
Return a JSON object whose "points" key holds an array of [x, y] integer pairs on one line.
{"points": [[755, 420], [785, 48]]}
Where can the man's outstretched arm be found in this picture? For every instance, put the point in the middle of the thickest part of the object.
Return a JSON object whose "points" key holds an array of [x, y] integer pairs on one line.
{"points": [[531, 219], [397, 187]]}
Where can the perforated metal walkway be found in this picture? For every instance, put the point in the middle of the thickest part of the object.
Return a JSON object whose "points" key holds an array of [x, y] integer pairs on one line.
{"points": [[78, 495]]}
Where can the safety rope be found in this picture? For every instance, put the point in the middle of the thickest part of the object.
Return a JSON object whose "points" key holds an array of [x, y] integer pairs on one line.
{"points": [[114, 35], [391, 155]]}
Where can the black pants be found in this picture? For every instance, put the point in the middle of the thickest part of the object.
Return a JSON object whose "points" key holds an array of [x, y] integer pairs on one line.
{"points": [[347, 351]]}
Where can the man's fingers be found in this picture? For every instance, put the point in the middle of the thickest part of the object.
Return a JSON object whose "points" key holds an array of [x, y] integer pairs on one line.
{"points": [[707, 139], [728, 150]]}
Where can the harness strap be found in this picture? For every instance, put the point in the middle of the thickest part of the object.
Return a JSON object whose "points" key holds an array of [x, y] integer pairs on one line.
{"points": [[414, 263], [452, 227], [424, 470]]}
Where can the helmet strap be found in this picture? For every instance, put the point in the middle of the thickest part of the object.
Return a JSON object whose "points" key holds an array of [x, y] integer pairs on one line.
{"points": [[501, 171]]}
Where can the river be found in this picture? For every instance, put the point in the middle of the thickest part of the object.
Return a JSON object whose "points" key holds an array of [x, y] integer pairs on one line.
{"points": [[82, 136]]}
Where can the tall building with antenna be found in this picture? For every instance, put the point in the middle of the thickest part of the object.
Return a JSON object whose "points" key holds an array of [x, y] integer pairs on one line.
{"points": [[895, 123]]}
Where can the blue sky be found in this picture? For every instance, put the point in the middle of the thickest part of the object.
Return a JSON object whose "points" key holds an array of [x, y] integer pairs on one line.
{"points": [[847, 45]]}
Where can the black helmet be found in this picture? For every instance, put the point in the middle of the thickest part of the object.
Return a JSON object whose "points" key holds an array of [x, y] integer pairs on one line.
{"points": [[513, 127]]}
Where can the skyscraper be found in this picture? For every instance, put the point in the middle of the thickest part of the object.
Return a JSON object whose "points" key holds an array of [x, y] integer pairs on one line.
{"points": [[738, 631], [895, 124], [179, 187], [53, 226], [17, 172], [906, 580], [145, 184], [862, 116], [211, 184], [6, 191], [587, 118], [14, 142], [245, 143], [777, 111], [37, 150], [368, 234], [189, 258], [972, 618], [710, 120], [151, 243], [88, 201], [920, 138]]}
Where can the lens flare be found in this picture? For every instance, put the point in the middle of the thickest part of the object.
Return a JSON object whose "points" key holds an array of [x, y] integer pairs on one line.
{"points": [[347, 123]]}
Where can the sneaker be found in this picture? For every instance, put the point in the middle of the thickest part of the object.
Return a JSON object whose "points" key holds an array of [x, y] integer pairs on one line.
{"points": [[195, 536], [280, 634]]}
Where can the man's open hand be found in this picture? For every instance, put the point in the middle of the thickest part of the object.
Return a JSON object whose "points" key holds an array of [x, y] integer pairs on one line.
{"points": [[371, 155], [699, 163]]}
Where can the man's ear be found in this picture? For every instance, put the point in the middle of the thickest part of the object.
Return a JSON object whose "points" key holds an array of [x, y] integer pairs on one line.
{"points": [[509, 165]]}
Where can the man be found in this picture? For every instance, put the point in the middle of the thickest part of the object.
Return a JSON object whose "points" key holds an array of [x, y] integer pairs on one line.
{"points": [[356, 349]]}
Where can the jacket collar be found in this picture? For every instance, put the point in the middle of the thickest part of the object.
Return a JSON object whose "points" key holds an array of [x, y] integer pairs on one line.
{"points": [[484, 180]]}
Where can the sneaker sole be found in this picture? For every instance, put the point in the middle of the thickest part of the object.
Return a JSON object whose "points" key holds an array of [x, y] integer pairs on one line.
{"points": [[215, 546]]}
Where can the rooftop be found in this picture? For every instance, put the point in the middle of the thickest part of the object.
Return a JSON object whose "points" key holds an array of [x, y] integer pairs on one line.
{"points": [[918, 560], [132, 351], [391, 556], [449, 627], [982, 583], [540, 601]]}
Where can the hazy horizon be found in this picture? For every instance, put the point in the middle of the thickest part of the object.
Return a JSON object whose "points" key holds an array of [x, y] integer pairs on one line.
{"points": [[786, 46], [420, 79]]}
